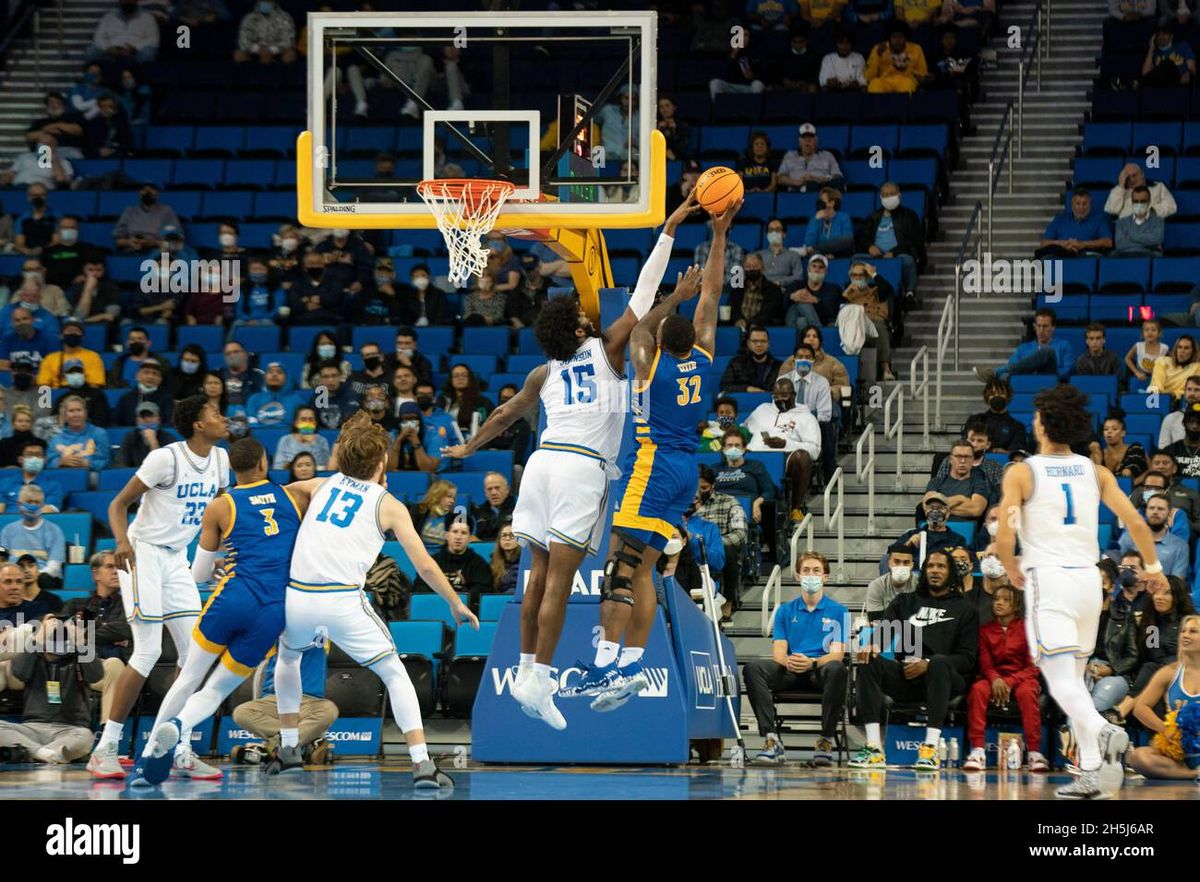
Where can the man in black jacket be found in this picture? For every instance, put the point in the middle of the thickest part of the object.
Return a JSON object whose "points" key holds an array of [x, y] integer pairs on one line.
{"points": [[496, 508], [754, 369], [895, 231], [1005, 432], [112, 636], [759, 301], [467, 571], [938, 643]]}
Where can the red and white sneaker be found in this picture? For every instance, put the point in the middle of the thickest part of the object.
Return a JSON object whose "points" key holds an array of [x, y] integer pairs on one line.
{"points": [[103, 763], [976, 760], [188, 766]]}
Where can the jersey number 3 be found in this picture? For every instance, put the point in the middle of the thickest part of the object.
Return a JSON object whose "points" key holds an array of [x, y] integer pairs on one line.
{"points": [[351, 503], [270, 528], [689, 390]]}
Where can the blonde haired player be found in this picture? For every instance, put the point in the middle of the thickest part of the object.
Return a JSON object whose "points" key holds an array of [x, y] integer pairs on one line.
{"points": [[563, 506], [175, 484], [1052, 501], [340, 537]]}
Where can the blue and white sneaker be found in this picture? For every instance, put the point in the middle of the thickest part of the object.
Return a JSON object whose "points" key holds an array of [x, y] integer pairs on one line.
{"points": [[152, 770], [772, 753], [592, 682], [630, 680]]}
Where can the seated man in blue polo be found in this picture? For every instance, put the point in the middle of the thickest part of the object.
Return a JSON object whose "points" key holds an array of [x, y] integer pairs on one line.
{"points": [[807, 654], [30, 462], [1041, 355], [260, 716], [1078, 231]]}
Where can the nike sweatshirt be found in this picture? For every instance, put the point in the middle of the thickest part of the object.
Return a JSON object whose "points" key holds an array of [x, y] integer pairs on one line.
{"points": [[946, 626]]}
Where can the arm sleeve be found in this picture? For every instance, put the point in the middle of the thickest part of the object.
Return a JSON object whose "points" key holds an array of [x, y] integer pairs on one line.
{"points": [[651, 276]]}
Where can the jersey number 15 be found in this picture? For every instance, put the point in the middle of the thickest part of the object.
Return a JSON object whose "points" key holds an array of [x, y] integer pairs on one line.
{"points": [[585, 387]]}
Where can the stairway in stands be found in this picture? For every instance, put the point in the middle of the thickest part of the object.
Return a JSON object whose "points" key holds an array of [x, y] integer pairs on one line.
{"points": [[991, 325], [22, 87]]}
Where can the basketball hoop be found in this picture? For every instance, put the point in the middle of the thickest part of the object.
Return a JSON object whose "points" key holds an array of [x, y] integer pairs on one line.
{"points": [[466, 211]]}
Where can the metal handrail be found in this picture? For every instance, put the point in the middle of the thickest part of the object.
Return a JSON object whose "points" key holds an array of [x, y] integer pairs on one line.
{"points": [[1003, 140], [805, 526], [946, 328], [837, 519], [866, 471], [1031, 59], [922, 389], [959, 260], [895, 430], [774, 587]]}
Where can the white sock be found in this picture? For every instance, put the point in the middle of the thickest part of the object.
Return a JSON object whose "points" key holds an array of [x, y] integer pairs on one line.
{"points": [[932, 735], [289, 737], [873, 738], [606, 653], [418, 753], [1067, 689], [527, 658], [112, 733], [542, 672], [630, 654]]}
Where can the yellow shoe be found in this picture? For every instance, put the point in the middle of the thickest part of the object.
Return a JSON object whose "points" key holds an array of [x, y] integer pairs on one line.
{"points": [[797, 514], [927, 758], [868, 757]]}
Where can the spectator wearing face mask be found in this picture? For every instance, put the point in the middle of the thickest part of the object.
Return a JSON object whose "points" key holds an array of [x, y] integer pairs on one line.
{"points": [[35, 535], [52, 371], [372, 374], [419, 302], [1140, 234], [30, 463], [318, 297], [23, 342], [64, 257], [187, 377], [332, 397], [148, 435], [13, 446], [348, 262], [1005, 432], [713, 431], [408, 354], [375, 402], [830, 230], [261, 303], [303, 438], [980, 591], [241, 380], [896, 581], [379, 304], [93, 396], [875, 295], [739, 476], [894, 230], [727, 514], [780, 265], [44, 299], [140, 226], [95, 297], [934, 533], [757, 302], [149, 388], [287, 256], [790, 427], [438, 428], [516, 437], [808, 653], [278, 400], [813, 391], [35, 228], [408, 453]]}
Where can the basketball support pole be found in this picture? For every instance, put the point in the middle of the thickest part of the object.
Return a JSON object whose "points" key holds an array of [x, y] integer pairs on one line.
{"points": [[582, 247]]}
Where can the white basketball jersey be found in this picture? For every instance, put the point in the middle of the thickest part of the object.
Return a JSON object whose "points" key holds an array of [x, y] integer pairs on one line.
{"points": [[1060, 518], [181, 487], [585, 402], [340, 536]]}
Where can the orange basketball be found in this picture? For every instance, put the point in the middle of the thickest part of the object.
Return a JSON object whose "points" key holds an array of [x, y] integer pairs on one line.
{"points": [[718, 188]]}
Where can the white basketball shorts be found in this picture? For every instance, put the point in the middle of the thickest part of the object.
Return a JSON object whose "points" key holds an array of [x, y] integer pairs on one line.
{"points": [[563, 498], [1062, 610], [161, 586], [344, 616]]}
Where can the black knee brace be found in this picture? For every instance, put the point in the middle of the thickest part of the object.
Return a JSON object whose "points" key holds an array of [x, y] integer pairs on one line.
{"points": [[613, 582]]}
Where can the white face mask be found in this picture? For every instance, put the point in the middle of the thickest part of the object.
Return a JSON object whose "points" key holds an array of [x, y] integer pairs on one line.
{"points": [[993, 528], [991, 567], [811, 584], [68, 236], [901, 574], [1141, 209], [891, 203], [421, 282], [289, 245], [227, 240], [775, 237]]}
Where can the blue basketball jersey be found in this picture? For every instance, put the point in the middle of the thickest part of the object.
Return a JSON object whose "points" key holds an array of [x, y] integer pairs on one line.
{"points": [[260, 539], [669, 406]]}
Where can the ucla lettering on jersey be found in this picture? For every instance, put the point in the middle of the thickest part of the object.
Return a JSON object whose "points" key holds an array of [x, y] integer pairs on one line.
{"points": [[340, 536], [585, 402], [1060, 519], [264, 522], [180, 487], [673, 400]]}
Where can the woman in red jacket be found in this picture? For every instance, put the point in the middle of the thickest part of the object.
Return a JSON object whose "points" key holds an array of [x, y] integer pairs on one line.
{"points": [[1006, 673]]}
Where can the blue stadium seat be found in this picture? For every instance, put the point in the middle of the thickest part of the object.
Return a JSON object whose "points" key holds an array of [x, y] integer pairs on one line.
{"points": [[77, 577], [280, 140], [628, 240], [219, 140], [795, 205], [384, 336], [1100, 172], [275, 204], [1166, 136], [523, 364], [723, 141], [208, 337], [1143, 424], [490, 461], [1105, 139], [865, 138], [470, 486], [1114, 105], [861, 174], [124, 269], [1079, 275], [270, 437], [924, 140], [1028, 384], [484, 549], [255, 173], [909, 173], [785, 106], [70, 480], [760, 205], [257, 338], [429, 608], [81, 203], [430, 341], [1127, 274], [114, 478], [408, 486], [689, 235], [481, 365], [491, 605], [198, 173], [300, 338], [1187, 172], [168, 140], [1182, 239], [1175, 274], [1106, 386], [227, 204], [421, 639], [469, 642], [859, 204], [526, 344]]}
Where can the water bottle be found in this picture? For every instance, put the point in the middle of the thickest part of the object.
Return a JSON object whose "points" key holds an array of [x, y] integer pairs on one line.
{"points": [[942, 752], [953, 751], [1012, 755]]}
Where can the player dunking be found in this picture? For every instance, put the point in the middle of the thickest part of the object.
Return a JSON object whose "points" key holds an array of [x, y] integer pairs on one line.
{"points": [[340, 537], [563, 502], [257, 520], [672, 358], [1053, 502], [175, 485]]}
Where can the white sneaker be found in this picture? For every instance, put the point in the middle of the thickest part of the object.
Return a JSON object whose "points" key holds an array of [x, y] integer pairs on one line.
{"points": [[976, 760], [1114, 741], [51, 756], [411, 109], [536, 697], [188, 766], [360, 109], [104, 763], [523, 674], [456, 105]]}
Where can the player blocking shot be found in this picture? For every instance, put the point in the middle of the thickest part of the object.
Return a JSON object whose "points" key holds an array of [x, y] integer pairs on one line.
{"points": [[1051, 502], [341, 535], [562, 508], [257, 521], [175, 485], [672, 359]]}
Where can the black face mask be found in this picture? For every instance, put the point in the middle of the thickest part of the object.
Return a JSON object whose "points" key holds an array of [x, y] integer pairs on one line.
{"points": [[72, 340], [315, 272], [997, 403], [1193, 435], [149, 199], [22, 382], [705, 497], [38, 202], [783, 405], [372, 362], [137, 349], [425, 402], [753, 275]]}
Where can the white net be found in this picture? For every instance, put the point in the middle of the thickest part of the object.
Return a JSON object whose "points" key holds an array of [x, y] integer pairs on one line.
{"points": [[465, 211]]}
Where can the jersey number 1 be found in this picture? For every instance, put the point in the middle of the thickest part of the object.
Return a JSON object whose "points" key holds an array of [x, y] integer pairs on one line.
{"points": [[1070, 518]]}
